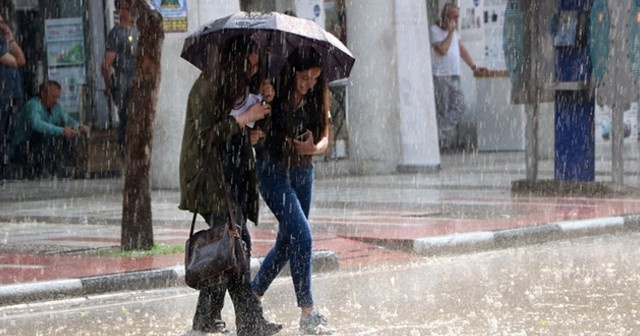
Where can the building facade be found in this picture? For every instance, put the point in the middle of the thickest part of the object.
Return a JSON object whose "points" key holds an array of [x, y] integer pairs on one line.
{"points": [[383, 115]]}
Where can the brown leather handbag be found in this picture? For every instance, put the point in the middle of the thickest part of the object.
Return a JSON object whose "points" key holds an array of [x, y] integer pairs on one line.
{"points": [[213, 252], [216, 251]]}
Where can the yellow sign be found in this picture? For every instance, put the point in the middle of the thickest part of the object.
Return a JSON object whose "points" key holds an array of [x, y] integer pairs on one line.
{"points": [[174, 24]]}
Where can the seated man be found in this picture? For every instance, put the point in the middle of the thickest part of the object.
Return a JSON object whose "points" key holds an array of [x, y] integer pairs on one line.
{"points": [[43, 140]]}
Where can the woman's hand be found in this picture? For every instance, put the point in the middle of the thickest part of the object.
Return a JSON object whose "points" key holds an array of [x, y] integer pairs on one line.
{"points": [[304, 143], [255, 135], [267, 91], [257, 111]]}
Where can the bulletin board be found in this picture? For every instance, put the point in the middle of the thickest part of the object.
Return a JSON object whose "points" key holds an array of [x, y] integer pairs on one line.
{"points": [[65, 50]]}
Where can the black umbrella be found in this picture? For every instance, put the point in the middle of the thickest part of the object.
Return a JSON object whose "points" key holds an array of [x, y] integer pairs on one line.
{"points": [[277, 35]]}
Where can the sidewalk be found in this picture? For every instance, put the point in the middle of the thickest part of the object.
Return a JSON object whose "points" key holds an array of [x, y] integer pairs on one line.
{"points": [[52, 229]]}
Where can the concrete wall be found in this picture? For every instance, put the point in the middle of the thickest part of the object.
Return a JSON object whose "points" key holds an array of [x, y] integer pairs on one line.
{"points": [[177, 77]]}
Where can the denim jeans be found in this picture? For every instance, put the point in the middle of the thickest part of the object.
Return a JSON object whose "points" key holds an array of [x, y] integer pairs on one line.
{"points": [[287, 192], [43, 154]]}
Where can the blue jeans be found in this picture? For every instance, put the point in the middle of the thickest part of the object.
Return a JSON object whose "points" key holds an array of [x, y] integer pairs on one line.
{"points": [[287, 192]]}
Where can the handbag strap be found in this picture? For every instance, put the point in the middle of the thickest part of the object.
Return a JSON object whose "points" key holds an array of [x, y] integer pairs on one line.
{"points": [[232, 214]]}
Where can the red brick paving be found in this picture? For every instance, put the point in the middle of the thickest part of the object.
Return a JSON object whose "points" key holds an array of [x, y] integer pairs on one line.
{"points": [[24, 268], [333, 233]]}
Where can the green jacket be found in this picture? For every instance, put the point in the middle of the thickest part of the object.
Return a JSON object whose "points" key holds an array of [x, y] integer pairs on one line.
{"points": [[205, 118]]}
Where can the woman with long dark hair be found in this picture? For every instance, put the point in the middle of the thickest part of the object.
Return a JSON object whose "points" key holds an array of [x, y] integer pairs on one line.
{"points": [[297, 129]]}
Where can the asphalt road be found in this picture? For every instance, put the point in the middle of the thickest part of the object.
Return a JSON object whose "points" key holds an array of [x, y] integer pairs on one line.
{"points": [[586, 286]]}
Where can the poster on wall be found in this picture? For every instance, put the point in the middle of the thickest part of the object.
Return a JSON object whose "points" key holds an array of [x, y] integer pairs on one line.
{"points": [[65, 50], [174, 14], [493, 19]]}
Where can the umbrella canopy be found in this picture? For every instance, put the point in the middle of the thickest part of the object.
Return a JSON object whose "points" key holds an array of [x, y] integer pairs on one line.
{"points": [[277, 36]]}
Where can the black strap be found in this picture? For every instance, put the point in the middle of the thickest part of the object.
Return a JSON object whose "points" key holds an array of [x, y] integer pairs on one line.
{"points": [[203, 172]]}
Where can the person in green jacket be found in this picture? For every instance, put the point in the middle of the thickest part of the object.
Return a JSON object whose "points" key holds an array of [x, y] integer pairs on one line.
{"points": [[43, 141], [217, 136]]}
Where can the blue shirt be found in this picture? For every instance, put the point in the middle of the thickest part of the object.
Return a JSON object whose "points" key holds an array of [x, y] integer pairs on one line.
{"points": [[10, 78], [33, 117]]}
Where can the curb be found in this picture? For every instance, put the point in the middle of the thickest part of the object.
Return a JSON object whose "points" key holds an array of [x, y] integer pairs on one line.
{"points": [[62, 289], [485, 240], [322, 261]]}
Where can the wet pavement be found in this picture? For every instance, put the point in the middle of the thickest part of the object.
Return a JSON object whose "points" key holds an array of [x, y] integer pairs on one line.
{"points": [[585, 286], [52, 231]]}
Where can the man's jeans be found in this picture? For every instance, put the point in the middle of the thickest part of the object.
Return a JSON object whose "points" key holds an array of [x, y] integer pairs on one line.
{"points": [[42, 155], [287, 192]]}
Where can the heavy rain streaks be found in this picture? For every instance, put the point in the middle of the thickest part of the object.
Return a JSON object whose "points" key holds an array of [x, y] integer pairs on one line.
{"points": [[588, 286]]}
